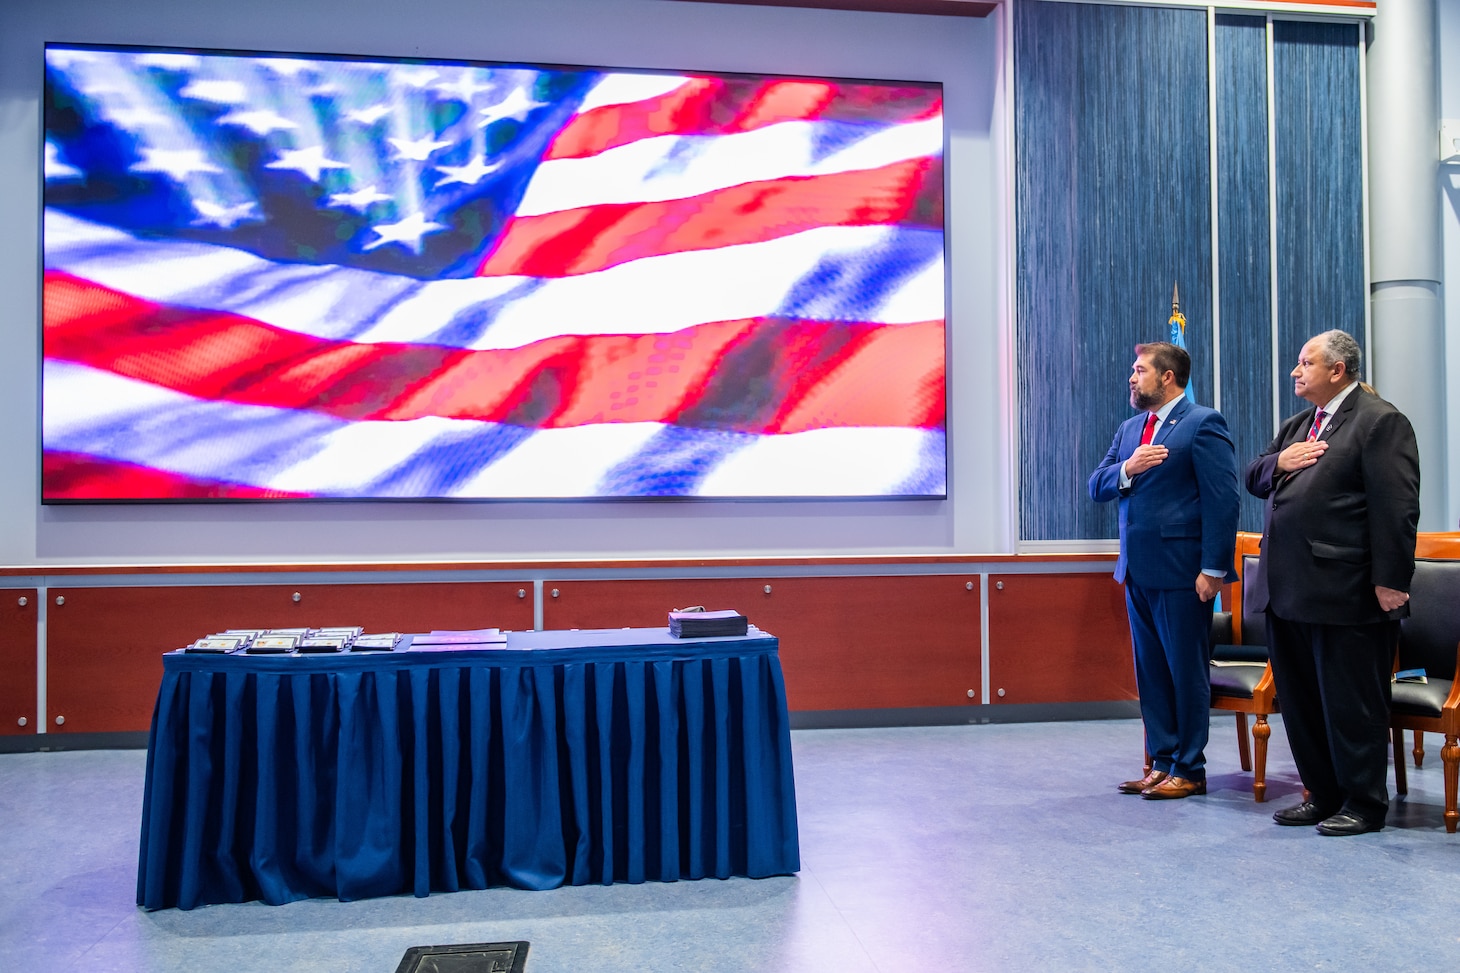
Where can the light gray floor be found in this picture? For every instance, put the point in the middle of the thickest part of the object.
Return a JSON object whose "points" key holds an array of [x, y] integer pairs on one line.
{"points": [[978, 848]]}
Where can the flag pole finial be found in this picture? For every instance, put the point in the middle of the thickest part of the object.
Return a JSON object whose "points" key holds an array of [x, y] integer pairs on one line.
{"points": [[1178, 320], [1178, 331]]}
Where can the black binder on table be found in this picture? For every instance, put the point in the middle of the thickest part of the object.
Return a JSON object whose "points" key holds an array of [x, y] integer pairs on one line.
{"points": [[704, 625]]}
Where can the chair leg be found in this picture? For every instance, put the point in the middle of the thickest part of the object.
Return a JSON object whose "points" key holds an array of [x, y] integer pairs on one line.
{"points": [[1450, 755], [1243, 751], [1401, 780], [1260, 732], [1147, 765], [1419, 748]]}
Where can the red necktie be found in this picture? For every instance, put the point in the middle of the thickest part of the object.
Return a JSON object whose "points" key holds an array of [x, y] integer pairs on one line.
{"points": [[1318, 418], [1150, 432]]}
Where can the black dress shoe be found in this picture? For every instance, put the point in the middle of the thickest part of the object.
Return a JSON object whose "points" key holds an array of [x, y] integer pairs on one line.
{"points": [[1345, 823], [1305, 813]]}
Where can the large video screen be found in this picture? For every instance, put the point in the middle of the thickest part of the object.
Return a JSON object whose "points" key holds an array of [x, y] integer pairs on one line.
{"points": [[293, 277]]}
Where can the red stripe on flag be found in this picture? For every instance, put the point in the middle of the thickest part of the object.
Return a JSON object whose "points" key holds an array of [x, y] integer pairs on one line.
{"points": [[713, 106], [559, 382], [77, 476], [593, 238], [891, 377]]}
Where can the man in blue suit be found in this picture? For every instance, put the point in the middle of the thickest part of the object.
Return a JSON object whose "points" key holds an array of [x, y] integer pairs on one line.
{"points": [[1174, 470]]}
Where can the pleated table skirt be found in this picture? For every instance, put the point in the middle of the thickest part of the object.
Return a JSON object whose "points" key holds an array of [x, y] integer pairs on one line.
{"points": [[567, 758]]}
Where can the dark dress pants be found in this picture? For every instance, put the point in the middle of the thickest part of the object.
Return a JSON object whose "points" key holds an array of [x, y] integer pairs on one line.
{"points": [[1171, 632], [1333, 687]]}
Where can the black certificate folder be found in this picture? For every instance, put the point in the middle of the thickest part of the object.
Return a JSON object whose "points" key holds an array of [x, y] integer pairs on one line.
{"points": [[706, 625]]}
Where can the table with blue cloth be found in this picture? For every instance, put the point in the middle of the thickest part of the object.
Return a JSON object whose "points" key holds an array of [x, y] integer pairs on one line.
{"points": [[565, 757]]}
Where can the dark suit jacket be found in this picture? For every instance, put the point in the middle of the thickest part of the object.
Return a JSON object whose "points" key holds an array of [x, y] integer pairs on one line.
{"points": [[1181, 516], [1343, 525]]}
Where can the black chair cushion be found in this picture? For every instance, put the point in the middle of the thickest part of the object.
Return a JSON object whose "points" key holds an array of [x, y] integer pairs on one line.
{"points": [[1427, 638], [1237, 681], [1419, 699]]}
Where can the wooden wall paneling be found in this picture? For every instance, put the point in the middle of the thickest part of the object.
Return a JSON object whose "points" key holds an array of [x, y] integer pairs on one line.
{"points": [[104, 645], [846, 642], [17, 661], [1059, 638]]}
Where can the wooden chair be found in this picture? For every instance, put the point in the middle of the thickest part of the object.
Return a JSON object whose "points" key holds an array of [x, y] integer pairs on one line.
{"points": [[1429, 639], [1241, 676]]}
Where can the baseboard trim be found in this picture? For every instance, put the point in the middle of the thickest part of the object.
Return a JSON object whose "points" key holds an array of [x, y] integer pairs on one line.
{"points": [[846, 719], [45, 742]]}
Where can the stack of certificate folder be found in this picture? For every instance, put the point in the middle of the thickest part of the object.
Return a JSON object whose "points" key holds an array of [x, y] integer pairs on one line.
{"points": [[452, 639], [704, 625], [291, 641]]}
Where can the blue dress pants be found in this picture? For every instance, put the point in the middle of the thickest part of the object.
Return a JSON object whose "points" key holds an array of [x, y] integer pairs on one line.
{"points": [[1171, 634]]}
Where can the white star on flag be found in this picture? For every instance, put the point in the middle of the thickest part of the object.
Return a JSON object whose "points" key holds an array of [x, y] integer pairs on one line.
{"points": [[469, 174], [55, 168], [220, 92], [368, 116], [260, 122], [515, 105], [224, 216], [360, 200], [416, 79], [67, 59], [170, 62], [308, 161], [407, 232], [137, 117], [177, 163], [417, 150], [287, 66], [465, 87]]}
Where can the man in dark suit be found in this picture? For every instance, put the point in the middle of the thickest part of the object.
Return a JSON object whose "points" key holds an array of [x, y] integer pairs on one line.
{"points": [[1341, 482], [1173, 469]]}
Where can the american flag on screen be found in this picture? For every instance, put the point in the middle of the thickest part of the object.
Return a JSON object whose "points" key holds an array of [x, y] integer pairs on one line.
{"points": [[292, 277]]}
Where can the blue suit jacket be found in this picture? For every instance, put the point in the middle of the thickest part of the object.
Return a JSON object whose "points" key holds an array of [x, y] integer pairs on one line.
{"points": [[1180, 517]]}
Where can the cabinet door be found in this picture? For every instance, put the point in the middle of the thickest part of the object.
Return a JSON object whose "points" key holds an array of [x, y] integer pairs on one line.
{"points": [[17, 660], [1059, 638], [104, 645], [846, 642]]}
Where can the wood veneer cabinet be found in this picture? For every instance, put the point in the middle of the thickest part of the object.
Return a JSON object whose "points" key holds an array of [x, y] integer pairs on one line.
{"points": [[1058, 638], [17, 660], [845, 642]]}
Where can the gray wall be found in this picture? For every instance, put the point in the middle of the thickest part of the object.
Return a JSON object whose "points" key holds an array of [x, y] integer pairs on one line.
{"points": [[1449, 57], [962, 53]]}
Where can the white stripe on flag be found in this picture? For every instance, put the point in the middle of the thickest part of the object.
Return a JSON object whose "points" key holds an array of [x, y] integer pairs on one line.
{"points": [[626, 89], [562, 462], [822, 463], [678, 167], [656, 295]]}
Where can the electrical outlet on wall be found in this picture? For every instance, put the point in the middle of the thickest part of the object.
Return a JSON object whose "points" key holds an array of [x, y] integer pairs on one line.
{"points": [[1450, 140]]}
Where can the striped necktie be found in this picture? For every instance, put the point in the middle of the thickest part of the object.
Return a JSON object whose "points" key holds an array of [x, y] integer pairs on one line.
{"points": [[1317, 426]]}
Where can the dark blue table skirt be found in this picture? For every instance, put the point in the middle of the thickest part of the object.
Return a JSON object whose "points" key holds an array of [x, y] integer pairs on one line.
{"points": [[567, 758]]}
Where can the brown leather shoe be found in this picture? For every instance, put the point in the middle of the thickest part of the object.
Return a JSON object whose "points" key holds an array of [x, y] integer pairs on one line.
{"points": [[1136, 786], [1174, 787]]}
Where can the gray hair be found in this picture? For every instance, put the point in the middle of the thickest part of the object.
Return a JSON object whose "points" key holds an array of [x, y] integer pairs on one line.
{"points": [[1340, 346]]}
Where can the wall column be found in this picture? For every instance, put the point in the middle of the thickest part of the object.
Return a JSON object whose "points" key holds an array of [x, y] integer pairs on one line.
{"points": [[1407, 356]]}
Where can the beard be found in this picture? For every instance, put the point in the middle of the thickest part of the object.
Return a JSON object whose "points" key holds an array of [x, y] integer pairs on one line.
{"points": [[1147, 401]]}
